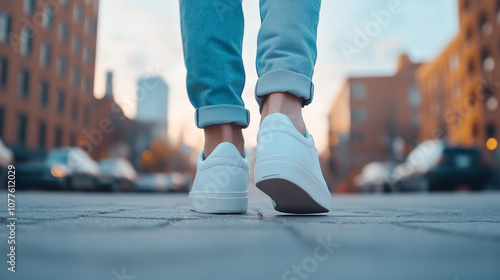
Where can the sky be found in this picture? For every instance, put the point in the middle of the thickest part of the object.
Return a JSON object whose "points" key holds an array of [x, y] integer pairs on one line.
{"points": [[142, 37]]}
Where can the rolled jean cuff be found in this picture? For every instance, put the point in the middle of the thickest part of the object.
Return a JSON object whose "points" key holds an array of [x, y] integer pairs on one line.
{"points": [[284, 81], [220, 114]]}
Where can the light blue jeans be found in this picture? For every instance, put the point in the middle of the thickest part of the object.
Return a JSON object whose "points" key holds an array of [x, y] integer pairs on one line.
{"points": [[212, 37]]}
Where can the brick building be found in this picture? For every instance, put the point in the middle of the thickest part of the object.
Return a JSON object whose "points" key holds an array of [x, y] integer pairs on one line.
{"points": [[47, 61], [373, 119], [461, 86]]}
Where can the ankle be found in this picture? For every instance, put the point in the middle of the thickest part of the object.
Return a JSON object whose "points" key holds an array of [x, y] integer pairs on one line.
{"points": [[287, 104], [216, 134]]}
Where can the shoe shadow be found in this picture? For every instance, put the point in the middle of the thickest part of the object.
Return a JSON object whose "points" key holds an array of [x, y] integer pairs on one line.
{"points": [[300, 215]]}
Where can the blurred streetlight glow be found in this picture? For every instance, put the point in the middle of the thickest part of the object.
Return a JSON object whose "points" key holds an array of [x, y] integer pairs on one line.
{"points": [[491, 144], [58, 171], [147, 155]]}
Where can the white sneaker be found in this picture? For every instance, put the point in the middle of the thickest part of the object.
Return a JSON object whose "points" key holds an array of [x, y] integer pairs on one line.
{"points": [[221, 182], [287, 168]]}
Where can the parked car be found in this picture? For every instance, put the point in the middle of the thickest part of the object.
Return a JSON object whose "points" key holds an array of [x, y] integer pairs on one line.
{"points": [[116, 174], [63, 169], [162, 182], [435, 166], [374, 177], [6, 158]]}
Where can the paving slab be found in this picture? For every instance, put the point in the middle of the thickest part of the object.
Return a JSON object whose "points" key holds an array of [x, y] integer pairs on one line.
{"points": [[156, 236]]}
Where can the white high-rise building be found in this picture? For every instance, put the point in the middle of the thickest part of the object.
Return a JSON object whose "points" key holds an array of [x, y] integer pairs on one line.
{"points": [[152, 100]]}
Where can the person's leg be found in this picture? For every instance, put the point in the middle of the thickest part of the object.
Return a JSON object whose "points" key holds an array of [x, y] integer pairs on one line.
{"points": [[286, 54], [212, 37], [287, 164]]}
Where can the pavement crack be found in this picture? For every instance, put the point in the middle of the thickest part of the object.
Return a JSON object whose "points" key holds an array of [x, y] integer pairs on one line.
{"points": [[450, 232]]}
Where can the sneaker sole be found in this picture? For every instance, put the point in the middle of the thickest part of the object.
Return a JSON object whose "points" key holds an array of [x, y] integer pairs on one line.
{"points": [[220, 203], [292, 187], [290, 198]]}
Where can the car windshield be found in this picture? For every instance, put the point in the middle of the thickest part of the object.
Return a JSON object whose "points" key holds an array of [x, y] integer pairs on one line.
{"points": [[59, 156], [108, 165], [456, 151], [425, 154]]}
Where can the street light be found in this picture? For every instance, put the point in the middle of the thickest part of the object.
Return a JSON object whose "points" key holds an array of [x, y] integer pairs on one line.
{"points": [[491, 144], [147, 155]]}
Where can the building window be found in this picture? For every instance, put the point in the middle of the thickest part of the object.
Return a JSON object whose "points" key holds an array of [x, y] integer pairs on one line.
{"points": [[470, 67], [358, 115], [468, 34], [454, 62], [2, 118], [29, 7], [484, 25], [492, 104], [474, 129], [414, 96], [498, 11], [89, 26], [45, 54], [86, 115], [75, 76], [26, 41], [78, 13], [44, 93], [86, 85], [472, 100], [63, 32], [60, 101], [87, 55], [42, 132], [21, 129], [488, 91], [466, 5], [74, 110], [487, 61], [65, 4], [357, 137], [358, 90], [23, 84], [77, 44], [72, 140], [5, 25], [59, 135], [491, 131], [62, 66], [4, 69], [48, 17], [414, 120]]}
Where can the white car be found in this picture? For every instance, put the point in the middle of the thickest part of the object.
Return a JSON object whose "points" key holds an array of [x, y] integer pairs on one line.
{"points": [[64, 168], [116, 174], [6, 158], [373, 177]]}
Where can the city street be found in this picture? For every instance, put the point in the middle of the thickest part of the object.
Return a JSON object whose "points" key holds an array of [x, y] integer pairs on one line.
{"points": [[155, 236]]}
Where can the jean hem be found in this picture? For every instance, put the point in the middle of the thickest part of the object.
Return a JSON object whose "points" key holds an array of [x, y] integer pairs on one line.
{"points": [[284, 81], [221, 114]]}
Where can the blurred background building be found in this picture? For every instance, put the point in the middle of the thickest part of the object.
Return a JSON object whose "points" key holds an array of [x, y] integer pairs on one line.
{"points": [[152, 100], [47, 101], [47, 96], [47, 61], [453, 98], [460, 87], [373, 119]]}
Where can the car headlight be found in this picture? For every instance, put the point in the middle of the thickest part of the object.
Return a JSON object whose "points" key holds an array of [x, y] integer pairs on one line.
{"points": [[58, 171]]}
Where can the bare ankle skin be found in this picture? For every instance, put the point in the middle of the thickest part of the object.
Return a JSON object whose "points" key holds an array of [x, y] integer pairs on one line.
{"points": [[216, 134], [285, 103]]}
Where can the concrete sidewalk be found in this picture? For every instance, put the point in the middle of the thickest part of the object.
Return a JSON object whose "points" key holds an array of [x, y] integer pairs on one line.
{"points": [[155, 236]]}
